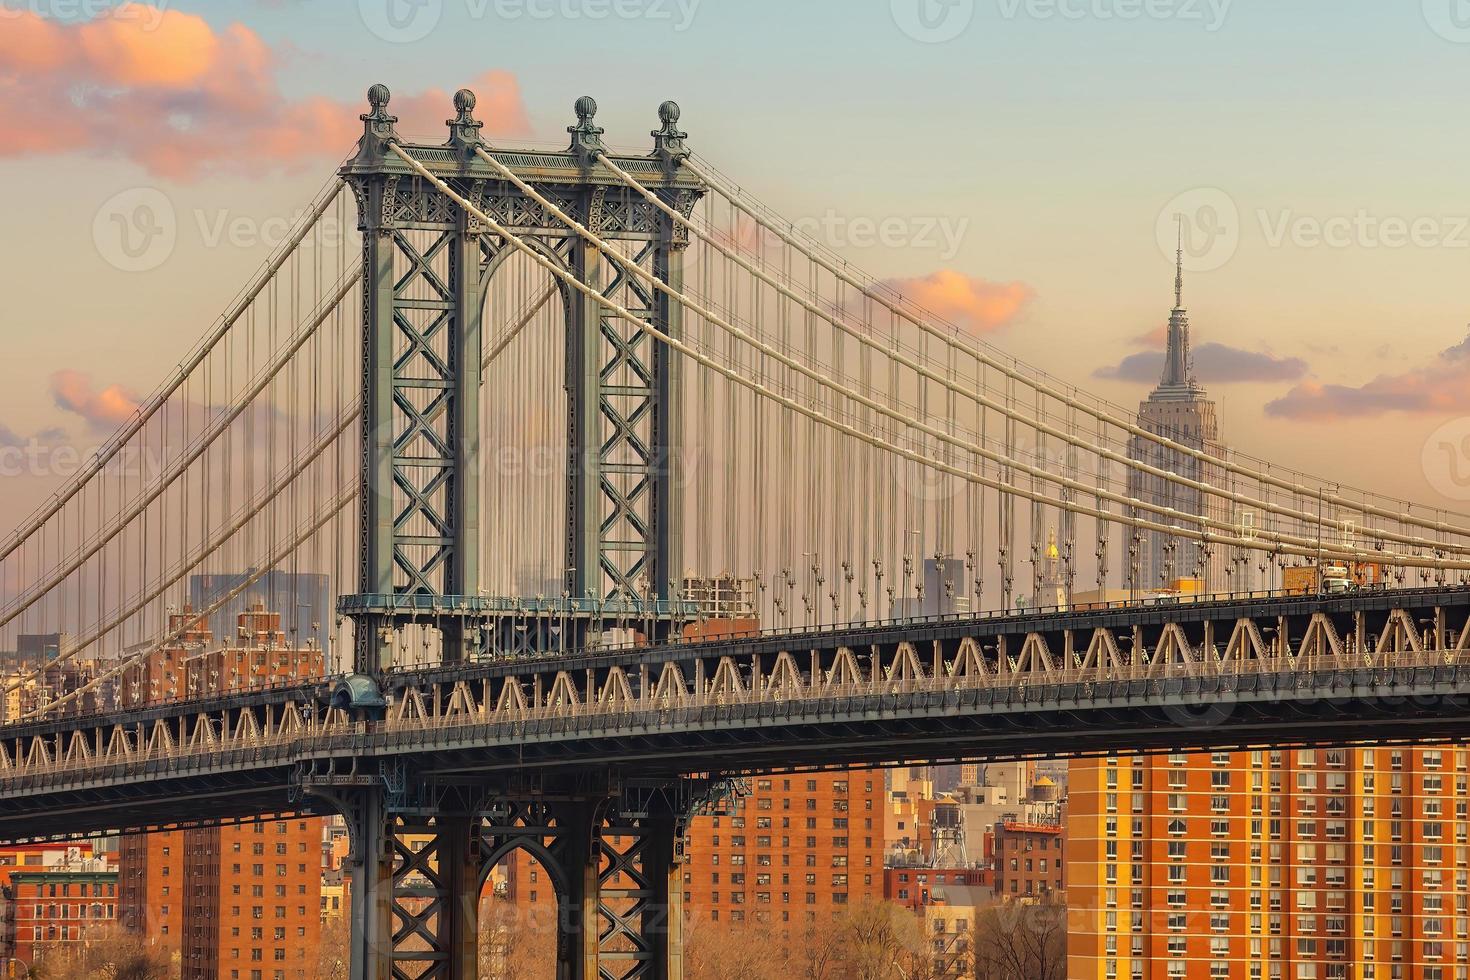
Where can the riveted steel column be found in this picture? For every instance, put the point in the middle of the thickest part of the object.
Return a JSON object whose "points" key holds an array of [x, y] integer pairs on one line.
{"points": [[371, 874], [584, 363], [465, 348], [663, 918], [668, 430], [374, 650], [577, 926], [459, 867]]}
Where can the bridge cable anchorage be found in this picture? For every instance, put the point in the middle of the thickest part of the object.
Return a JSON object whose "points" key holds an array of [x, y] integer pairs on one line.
{"points": [[166, 480], [141, 417], [734, 195], [974, 395], [348, 416], [1312, 545], [1281, 541]]}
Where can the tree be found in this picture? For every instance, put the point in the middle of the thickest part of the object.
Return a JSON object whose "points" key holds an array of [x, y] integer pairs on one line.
{"points": [[335, 951], [516, 943], [1016, 940], [105, 953]]}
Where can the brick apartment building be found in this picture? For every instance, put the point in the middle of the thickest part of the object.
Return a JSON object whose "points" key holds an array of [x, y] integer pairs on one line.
{"points": [[51, 911], [801, 846], [918, 888], [236, 902], [1325, 864], [1029, 861]]}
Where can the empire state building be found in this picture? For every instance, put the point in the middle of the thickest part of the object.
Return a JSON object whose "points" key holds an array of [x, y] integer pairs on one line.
{"points": [[1180, 410]]}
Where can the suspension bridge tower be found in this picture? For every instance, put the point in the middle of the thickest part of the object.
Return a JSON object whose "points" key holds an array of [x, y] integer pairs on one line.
{"points": [[438, 222]]}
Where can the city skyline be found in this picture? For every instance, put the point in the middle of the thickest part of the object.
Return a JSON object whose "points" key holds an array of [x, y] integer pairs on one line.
{"points": [[756, 512]]}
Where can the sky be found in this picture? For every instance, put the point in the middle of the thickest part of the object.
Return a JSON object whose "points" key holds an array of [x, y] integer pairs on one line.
{"points": [[1018, 164]]}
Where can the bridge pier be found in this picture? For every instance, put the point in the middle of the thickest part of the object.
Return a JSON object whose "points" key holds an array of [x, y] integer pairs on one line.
{"points": [[617, 861], [421, 856]]}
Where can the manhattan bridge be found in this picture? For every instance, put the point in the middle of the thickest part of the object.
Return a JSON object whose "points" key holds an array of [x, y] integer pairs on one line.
{"points": [[521, 412]]}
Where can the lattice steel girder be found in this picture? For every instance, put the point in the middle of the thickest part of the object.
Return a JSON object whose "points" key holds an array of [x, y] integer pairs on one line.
{"points": [[623, 525], [421, 405], [416, 879]]}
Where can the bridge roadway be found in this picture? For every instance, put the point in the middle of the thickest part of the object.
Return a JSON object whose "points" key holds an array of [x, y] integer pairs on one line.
{"points": [[1305, 669]]}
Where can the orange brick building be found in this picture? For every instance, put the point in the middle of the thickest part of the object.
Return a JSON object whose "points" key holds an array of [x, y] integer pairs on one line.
{"points": [[50, 912], [1029, 860], [801, 846], [253, 901], [1326, 864], [238, 902]]}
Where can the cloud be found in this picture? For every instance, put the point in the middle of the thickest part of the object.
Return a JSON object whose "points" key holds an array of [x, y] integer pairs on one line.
{"points": [[10, 439], [1155, 338], [1216, 363], [978, 305], [1442, 385], [166, 90], [107, 409]]}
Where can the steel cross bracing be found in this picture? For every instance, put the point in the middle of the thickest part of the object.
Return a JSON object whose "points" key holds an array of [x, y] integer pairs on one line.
{"points": [[428, 266]]}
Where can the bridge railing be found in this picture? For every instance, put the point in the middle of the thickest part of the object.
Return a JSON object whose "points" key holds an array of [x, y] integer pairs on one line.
{"points": [[203, 742]]}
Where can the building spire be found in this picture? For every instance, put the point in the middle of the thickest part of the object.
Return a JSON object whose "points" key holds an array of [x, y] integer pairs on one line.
{"points": [[1177, 373], [1179, 264]]}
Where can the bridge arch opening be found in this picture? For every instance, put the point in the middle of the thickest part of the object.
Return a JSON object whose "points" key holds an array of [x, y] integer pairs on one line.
{"points": [[523, 900]]}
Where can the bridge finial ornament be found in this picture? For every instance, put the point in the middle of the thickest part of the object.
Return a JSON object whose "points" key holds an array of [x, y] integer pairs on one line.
{"points": [[377, 125], [464, 128], [668, 141], [586, 135]]}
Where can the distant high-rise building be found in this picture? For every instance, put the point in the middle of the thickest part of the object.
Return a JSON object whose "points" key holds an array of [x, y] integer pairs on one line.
{"points": [[1179, 410], [303, 599], [941, 591]]}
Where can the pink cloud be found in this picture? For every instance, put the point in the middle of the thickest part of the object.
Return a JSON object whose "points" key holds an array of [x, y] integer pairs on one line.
{"points": [[1442, 385], [105, 409], [1156, 338], [976, 304], [168, 91]]}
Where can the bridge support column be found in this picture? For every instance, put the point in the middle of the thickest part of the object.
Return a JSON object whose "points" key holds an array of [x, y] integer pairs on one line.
{"points": [[415, 879], [370, 864], [622, 912]]}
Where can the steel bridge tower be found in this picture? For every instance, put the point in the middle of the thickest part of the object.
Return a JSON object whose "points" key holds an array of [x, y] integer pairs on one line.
{"points": [[422, 850]]}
